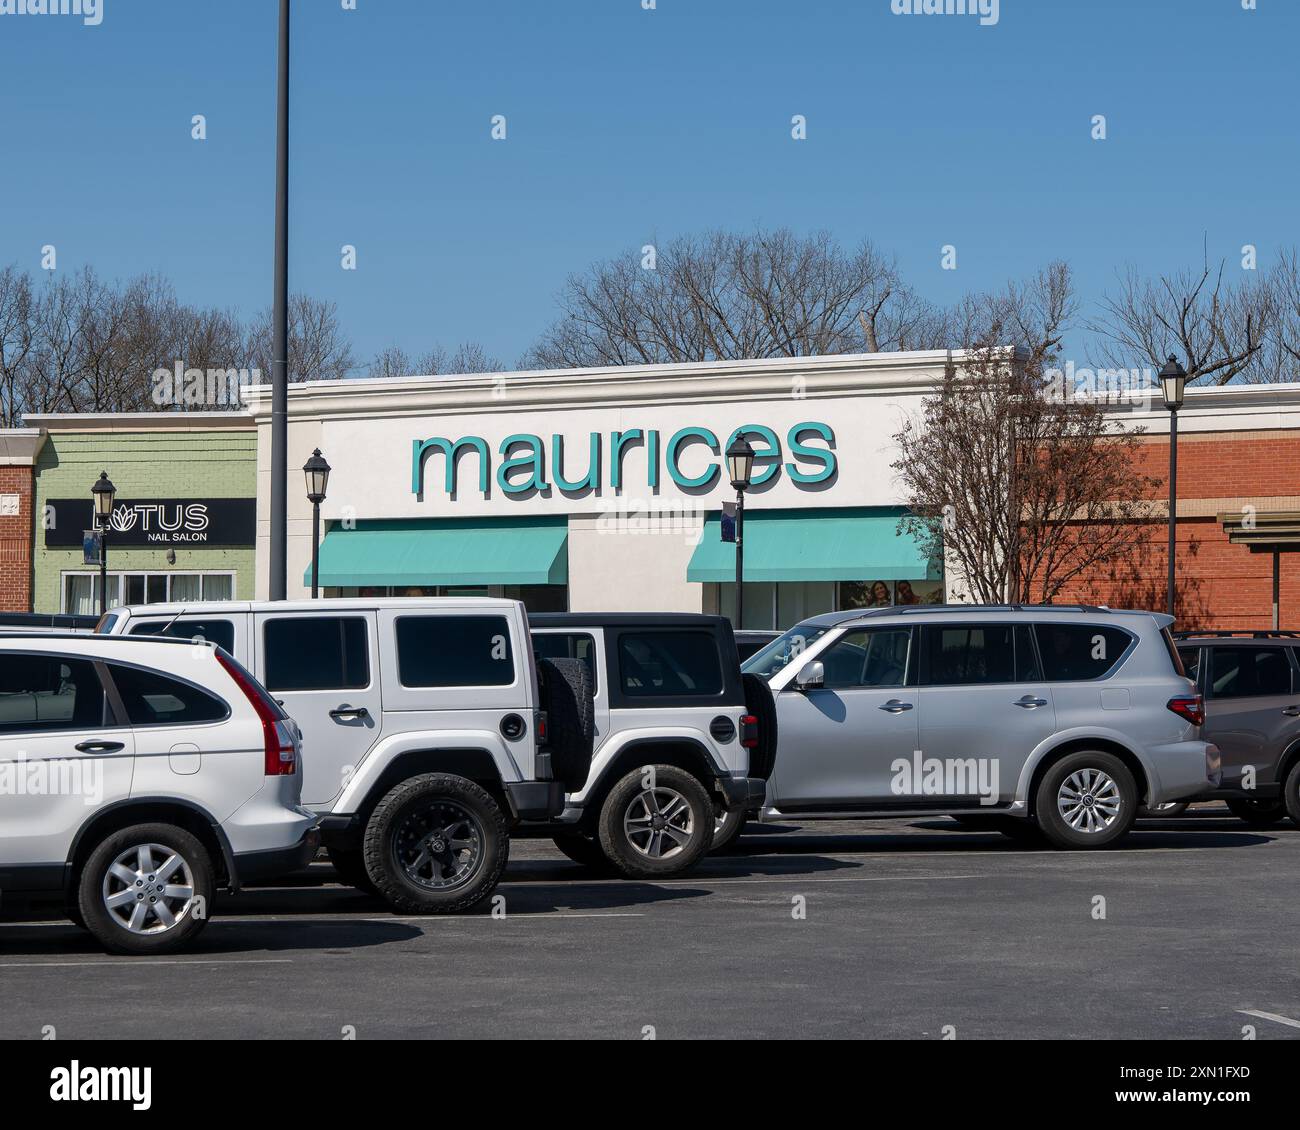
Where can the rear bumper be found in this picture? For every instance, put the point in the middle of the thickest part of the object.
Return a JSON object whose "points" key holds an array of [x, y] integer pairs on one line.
{"points": [[1184, 771], [257, 866], [743, 792], [535, 800]]}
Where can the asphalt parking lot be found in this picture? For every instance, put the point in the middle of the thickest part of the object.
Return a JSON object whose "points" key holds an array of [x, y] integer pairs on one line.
{"points": [[908, 928]]}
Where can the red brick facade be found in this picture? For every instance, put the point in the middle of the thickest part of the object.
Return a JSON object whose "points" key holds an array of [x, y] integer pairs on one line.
{"points": [[16, 541], [1220, 585]]}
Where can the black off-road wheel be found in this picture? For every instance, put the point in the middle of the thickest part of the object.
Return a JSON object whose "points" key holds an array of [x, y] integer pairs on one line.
{"points": [[571, 719], [436, 844]]}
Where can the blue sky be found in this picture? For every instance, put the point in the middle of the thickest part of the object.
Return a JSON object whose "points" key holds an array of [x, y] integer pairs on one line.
{"points": [[628, 126]]}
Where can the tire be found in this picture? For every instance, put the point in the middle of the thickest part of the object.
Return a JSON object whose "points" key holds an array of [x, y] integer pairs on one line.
{"points": [[1291, 793], [351, 868], [435, 844], [1164, 811], [570, 719], [140, 926], [643, 854], [727, 827], [1259, 813], [1098, 793], [584, 850], [760, 703]]}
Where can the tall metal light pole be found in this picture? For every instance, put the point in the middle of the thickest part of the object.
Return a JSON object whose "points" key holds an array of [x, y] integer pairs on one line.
{"points": [[1173, 383], [317, 471], [102, 492], [278, 556], [740, 466]]}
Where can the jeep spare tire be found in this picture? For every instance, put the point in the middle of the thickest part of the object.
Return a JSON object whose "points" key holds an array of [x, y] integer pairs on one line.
{"points": [[570, 719], [759, 703]]}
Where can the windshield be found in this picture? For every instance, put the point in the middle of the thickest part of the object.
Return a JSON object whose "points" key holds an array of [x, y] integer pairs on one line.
{"points": [[783, 650]]}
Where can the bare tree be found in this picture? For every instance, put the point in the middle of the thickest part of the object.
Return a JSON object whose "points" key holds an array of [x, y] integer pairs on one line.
{"points": [[16, 344], [1215, 327], [470, 357], [1024, 489], [722, 295], [318, 348]]}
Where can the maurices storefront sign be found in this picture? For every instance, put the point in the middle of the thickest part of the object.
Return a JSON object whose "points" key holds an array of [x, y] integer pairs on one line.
{"points": [[691, 458]]}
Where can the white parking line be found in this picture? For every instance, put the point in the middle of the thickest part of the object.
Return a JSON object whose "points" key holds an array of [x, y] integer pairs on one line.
{"points": [[139, 962], [1273, 1016], [511, 916]]}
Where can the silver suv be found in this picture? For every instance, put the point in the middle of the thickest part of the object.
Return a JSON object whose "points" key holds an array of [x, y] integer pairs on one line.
{"points": [[1251, 684], [1061, 719]]}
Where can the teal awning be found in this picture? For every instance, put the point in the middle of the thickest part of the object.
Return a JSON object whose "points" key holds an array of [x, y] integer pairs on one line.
{"points": [[815, 545], [451, 551]]}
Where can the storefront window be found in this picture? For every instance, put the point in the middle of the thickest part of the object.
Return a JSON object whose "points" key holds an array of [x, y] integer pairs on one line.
{"points": [[81, 590], [776, 606], [535, 598]]}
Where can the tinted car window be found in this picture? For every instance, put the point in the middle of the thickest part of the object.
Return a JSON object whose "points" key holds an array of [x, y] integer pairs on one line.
{"points": [[1028, 669], [39, 692], [666, 664], [867, 659], [312, 653], [1245, 672], [783, 650], [568, 645], [152, 699], [1075, 652], [219, 632], [454, 651], [1191, 660], [982, 653]]}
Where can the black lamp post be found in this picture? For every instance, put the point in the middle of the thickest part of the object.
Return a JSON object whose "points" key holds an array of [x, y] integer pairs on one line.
{"points": [[102, 492], [1173, 383], [317, 472], [740, 466]]}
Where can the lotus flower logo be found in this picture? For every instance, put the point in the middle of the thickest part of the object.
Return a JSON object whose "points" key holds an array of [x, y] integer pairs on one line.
{"points": [[123, 519]]}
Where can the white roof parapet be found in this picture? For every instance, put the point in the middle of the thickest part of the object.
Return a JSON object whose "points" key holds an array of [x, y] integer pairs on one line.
{"points": [[876, 374]]}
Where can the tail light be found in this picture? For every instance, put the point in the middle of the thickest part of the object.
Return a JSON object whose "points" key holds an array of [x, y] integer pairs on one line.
{"points": [[278, 740], [1191, 707], [749, 731], [541, 726]]}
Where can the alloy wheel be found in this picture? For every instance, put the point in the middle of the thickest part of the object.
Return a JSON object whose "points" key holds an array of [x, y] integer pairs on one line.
{"points": [[148, 889], [659, 822], [1089, 800]]}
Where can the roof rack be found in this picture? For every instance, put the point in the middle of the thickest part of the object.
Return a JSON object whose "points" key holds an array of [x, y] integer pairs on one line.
{"points": [[1239, 633], [946, 609], [82, 637]]}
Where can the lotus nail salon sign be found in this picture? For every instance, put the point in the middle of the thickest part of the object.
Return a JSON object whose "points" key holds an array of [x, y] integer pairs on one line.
{"points": [[155, 522]]}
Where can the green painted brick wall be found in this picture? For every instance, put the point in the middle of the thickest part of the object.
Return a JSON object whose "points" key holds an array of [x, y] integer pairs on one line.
{"points": [[182, 464]]}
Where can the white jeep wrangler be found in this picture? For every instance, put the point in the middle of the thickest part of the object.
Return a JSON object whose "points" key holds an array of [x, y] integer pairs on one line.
{"points": [[684, 742], [429, 731]]}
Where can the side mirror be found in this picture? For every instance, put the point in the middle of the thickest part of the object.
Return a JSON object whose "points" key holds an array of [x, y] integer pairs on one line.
{"points": [[812, 676]]}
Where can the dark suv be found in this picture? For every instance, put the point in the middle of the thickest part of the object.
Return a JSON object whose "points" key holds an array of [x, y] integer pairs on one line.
{"points": [[1251, 685]]}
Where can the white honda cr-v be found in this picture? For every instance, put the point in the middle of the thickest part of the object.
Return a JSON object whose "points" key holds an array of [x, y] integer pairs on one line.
{"points": [[138, 776]]}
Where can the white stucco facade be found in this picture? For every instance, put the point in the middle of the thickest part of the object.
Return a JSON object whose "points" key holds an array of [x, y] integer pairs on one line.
{"points": [[629, 458]]}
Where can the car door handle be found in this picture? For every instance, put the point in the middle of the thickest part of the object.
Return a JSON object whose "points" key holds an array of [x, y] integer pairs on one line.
{"points": [[1291, 711], [349, 713], [894, 706], [98, 746], [1029, 702]]}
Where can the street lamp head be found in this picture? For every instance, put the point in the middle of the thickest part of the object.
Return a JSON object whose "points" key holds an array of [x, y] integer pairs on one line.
{"points": [[102, 492], [740, 462], [1173, 382], [317, 472]]}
